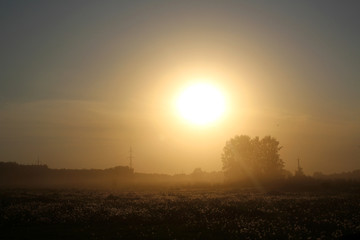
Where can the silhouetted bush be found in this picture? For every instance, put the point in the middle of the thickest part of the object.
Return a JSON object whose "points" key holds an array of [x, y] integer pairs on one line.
{"points": [[246, 159]]}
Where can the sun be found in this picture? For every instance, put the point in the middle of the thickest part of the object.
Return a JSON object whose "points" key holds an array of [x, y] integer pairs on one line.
{"points": [[201, 104]]}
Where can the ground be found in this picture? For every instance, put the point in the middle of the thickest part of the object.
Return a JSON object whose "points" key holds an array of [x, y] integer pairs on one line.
{"points": [[178, 214]]}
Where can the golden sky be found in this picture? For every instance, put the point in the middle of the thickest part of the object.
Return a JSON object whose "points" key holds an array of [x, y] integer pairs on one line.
{"points": [[81, 83]]}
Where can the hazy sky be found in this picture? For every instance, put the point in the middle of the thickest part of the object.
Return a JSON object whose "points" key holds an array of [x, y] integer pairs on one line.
{"points": [[81, 81]]}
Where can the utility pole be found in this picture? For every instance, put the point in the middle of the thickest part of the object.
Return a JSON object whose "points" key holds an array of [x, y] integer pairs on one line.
{"points": [[130, 158], [299, 172], [298, 163]]}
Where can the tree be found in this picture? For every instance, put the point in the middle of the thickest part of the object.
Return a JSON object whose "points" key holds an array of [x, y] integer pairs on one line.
{"points": [[246, 158]]}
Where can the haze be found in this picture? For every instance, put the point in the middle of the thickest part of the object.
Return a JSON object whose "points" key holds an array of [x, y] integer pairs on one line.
{"points": [[81, 82]]}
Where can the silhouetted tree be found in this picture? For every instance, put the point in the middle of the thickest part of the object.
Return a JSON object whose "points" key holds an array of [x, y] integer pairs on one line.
{"points": [[198, 174], [197, 171], [245, 158]]}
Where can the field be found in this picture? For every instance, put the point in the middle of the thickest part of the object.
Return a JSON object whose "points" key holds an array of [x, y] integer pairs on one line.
{"points": [[177, 214]]}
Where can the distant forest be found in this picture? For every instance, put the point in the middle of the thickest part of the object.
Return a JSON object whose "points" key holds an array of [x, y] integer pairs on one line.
{"points": [[16, 175]]}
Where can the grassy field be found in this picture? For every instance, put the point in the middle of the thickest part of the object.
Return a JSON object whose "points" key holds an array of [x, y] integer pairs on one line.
{"points": [[178, 214]]}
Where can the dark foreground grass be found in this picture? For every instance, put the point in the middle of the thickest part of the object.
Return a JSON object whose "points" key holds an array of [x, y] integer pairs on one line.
{"points": [[177, 214]]}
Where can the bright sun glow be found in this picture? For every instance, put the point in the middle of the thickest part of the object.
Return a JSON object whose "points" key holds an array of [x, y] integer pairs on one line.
{"points": [[201, 104]]}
